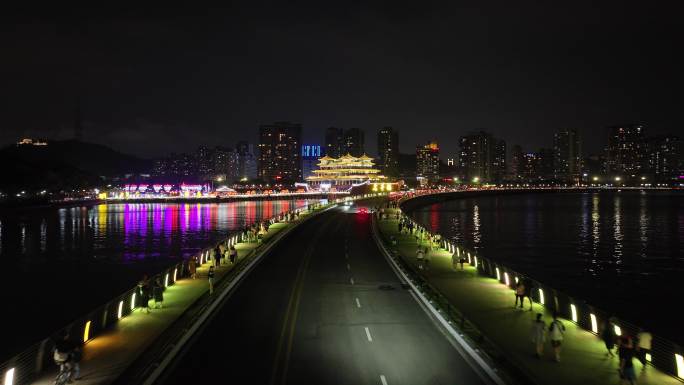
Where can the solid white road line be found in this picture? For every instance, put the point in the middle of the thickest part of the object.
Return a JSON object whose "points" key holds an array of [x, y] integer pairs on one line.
{"points": [[358, 304], [370, 339], [383, 380], [351, 280]]}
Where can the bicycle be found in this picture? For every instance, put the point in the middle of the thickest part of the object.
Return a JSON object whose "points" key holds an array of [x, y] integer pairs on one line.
{"points": [[65, 373]]}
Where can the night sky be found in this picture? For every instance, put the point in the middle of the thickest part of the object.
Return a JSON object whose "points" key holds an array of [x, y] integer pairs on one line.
{"points": [[152, 81]]}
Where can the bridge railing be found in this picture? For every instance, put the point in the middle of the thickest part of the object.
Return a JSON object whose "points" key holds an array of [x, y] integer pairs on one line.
{"points": [[30, 363], [665, 355]]}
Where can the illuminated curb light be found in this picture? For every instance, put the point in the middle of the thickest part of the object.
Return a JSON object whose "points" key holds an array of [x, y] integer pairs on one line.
{"points": [[618, 331], [648, 357], [541, 296], [175, 274], [498, 275], [86, 332], [475, 261], [573, 311], [9, 377], [133, 301], [166, 280], [680, 365], [508, 283], [120, 311], [458, 253], [594, 324], [516, 280]]}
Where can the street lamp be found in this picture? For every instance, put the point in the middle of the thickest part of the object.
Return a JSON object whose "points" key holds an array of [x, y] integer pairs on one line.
{"points": [[617, 178], [476, 179]]}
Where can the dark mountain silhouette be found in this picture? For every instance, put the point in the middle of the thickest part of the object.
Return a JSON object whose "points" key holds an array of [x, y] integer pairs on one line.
{"points": [[64, 164]]}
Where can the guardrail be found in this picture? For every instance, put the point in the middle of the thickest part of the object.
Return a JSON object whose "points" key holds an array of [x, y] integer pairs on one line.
{"points": [[665, 355], [27, 365]]}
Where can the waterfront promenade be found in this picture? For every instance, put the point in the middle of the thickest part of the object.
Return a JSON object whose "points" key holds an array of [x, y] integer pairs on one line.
{"points": [[488, 305], [109, 355]]}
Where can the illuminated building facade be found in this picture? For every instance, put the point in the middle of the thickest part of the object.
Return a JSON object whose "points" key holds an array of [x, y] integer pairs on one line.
{"points": [[280, 160], [388, 151], [627, 151], [567, 156], [343, 173], [427, 161], [482, 157], [311, 153]]}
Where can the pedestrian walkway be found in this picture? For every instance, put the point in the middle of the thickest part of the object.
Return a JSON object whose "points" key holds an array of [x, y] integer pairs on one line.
{"points": [[109, 354], [488, 304]]}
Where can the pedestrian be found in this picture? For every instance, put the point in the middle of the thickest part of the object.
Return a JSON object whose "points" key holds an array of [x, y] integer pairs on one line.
{"points": [[454, 260], [556, 331], [210, 276], [519, 294], [144, 294], [528, 290], [538, 335], [400, 226], [192, 267], [233, 254], [608, 337], [462, 261], [427, 258], [643, 346], [217, 256], [626, 353], [393, 240], [158, 293]]}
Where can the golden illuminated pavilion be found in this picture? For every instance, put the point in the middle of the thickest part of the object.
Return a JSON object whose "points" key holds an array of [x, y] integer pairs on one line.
{"points": [[344, 172]]}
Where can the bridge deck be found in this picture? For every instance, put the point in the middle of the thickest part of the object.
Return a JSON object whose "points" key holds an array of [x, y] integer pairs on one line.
{"points": [[489, 305]]}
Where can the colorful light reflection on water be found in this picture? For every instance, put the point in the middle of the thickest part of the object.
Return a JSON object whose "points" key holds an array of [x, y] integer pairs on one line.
{"points": [[129, 232]]}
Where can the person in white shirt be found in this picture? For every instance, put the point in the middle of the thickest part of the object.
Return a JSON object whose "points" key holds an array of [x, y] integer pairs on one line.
{"points": [[556, 331]]}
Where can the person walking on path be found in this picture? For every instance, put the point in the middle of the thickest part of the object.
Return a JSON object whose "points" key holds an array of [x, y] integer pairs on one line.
{"points": [[556, 331], [608, 337], [144, 293], [427, 258], [528, 290], [519, 294], [538, 335], [158, 293], [626, 353], [192, 267], [455, 260], [643, 346], [210, 276], [217, 257], [233, 254]]}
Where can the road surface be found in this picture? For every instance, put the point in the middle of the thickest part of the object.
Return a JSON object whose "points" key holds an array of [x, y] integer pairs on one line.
{"points": [[323, 307]]}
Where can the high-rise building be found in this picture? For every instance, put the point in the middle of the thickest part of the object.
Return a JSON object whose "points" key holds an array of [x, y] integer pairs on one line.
{"points": [[334, 142], [567, 156], [517, 161], [204, 161], [427, 161], [665, 158], [280, 159], [311, 153], [388, 151], [247, 161], [354, 142], [226, 164], [545, 164], [482, 157], [627, 152]]}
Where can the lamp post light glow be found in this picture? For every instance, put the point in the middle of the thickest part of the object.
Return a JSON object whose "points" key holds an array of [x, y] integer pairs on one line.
{"points": [[175, 274], [680, 365], [166, 280], [133, 301], [458, 253], [516, 280], [594, 324], [86, 332], [498, 275], [573, 312], [476, 179], [618, 331], [506, 279], [9, 377], [541, 296], [475, 262], [120, 311]]}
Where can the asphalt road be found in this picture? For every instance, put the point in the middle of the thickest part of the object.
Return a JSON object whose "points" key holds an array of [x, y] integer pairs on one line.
{"points": [[323, 308]]}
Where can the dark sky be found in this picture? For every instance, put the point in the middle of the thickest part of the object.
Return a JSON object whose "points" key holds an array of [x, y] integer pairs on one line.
{"points": [[152, 81]]}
